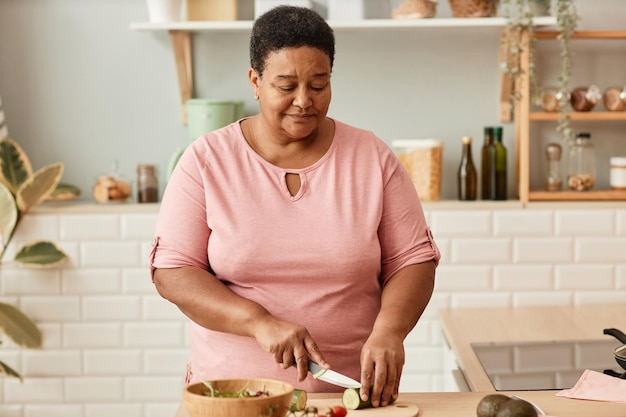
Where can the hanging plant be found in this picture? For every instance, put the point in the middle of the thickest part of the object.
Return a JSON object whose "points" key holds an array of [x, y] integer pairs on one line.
{"points": [[520, 16]]}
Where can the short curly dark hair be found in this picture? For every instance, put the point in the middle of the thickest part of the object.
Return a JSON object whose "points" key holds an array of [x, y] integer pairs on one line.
{"points": [[289, 27]]}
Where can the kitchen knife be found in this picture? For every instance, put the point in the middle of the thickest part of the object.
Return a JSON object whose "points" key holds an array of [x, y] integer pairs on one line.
{"points": [[332, 377]]}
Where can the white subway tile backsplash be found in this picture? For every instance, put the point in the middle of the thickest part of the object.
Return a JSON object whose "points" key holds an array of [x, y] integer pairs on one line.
{"points": [[94, 389], [86, 335], [587, 276], [116, 253], [53, 308], [463, 278], [424, 359], [115, 307], [522, 277], [113, 346], [90, 227], [620, 277], [585, 223], [119, 410], [10, 410], [481, 251], [523, 223], [51, 362], [153, 389], [39, 227], [91, 280], [113, 362], [480, 299], [34, 390], [31, 281], [600, 249], [421, 334], [66, 410], [157, 308], [51, 334], [137, 281], [139, 226], [160, 410], [620, 221], [599, 297], [160, 334], [542, 298], [546, 250], [467, 223], [166, 362]]}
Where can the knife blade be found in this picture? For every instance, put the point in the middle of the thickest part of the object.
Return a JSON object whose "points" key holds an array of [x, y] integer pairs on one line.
{"points": [[332, 377]]}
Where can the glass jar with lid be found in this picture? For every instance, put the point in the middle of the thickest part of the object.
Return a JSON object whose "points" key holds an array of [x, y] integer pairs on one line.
{"points": [[581, 164]]}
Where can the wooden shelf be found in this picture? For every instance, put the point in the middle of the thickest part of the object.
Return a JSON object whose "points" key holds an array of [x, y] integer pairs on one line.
{"points": [[366, 24], [567, 195], [587, 116], [524, 117], [180, 33]]}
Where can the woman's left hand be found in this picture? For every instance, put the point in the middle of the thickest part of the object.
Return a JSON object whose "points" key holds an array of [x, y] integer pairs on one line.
{"points": [[382, 359]]}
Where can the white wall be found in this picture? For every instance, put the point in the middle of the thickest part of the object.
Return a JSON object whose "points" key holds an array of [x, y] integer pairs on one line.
{"points": [[78, 86], [112, 346]]}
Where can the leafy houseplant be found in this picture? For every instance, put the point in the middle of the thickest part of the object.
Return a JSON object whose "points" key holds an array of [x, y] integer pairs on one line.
{"points": [[21, 190], [520, 14]]}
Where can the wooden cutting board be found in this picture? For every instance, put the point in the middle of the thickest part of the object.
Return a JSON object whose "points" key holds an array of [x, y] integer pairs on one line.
{"points": [[397, 409]]}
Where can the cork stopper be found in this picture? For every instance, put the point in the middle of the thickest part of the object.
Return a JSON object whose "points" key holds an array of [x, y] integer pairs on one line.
{"points": [[466, 140]]}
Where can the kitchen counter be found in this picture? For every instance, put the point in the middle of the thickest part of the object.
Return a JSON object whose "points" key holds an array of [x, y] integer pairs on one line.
{"points": [[462, 327], [463, 404]]}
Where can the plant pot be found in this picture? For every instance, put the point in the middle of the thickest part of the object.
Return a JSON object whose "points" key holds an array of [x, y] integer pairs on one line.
{"points": [[474, 8], [160, 11]]}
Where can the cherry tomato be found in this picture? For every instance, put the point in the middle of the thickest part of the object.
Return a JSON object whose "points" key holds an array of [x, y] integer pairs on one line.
{"points": [[338, 411]]}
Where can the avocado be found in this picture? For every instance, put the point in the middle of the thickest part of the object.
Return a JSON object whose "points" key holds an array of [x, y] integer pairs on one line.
{"points": [[490, 404], [517, 408]]}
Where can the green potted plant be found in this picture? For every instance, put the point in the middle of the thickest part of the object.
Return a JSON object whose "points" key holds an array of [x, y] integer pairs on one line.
{"points": [[21, 190], [520, 15]]}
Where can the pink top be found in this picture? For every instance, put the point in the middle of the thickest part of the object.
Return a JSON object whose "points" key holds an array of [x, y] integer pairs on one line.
{"points": [[319, 258]]}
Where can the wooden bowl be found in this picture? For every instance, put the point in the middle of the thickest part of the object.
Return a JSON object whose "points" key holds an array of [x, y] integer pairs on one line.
{"points": [[275, 405]]}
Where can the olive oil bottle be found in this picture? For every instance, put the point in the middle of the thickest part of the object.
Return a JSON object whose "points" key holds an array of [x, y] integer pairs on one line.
{"points": [[488, 166], [467, 175], [500, 171]]}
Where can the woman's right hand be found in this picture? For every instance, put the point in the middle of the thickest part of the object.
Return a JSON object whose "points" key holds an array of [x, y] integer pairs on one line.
{"points": [[287, 341]]}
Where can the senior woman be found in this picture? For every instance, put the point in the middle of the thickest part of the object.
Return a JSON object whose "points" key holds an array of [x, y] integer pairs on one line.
{"points": [[289, 236]]}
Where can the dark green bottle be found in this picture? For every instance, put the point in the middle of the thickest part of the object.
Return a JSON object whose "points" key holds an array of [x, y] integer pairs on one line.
{"points": [[500, 183], [467, 176], [488, 166]]}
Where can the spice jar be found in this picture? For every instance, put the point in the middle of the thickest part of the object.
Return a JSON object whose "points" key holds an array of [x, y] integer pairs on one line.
{"points": [[582, 164], [147, 184], [550, 99], [585, 98], [618, 173], [553, 180], [615, 98]]}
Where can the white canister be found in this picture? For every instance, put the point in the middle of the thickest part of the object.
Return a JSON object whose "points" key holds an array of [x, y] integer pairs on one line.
{"points": [[618, 172]]}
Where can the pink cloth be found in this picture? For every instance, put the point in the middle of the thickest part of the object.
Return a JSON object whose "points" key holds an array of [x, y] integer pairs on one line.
{"points": [[597, 386], [319, 258]]}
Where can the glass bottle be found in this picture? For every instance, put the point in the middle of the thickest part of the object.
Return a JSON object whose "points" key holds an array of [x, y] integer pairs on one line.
{"points": [[500, 165], [553, 153], [147, 184], [488, 166], [467, 176], [581, 164]]}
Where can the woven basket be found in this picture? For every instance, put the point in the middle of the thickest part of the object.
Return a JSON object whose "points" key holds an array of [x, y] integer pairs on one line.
{"points": [[474, 8]]}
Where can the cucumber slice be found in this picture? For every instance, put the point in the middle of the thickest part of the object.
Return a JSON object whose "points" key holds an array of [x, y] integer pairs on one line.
{"points": [[351, 399], [298, 401]]}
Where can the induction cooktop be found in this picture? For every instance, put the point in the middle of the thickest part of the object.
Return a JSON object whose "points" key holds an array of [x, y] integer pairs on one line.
{"points": [[544, 365]]}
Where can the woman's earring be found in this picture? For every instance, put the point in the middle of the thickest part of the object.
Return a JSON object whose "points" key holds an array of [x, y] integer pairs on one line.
{"points": [[256, 96]]}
